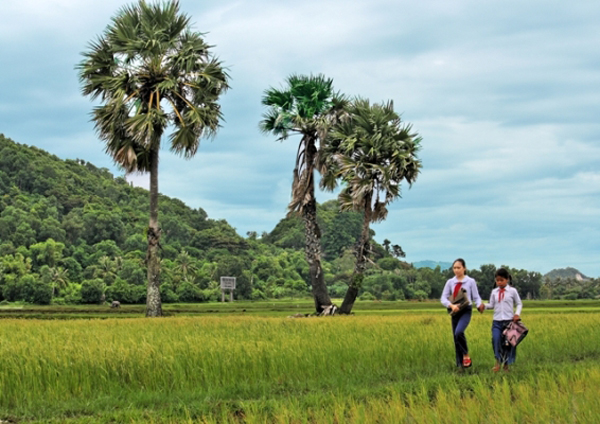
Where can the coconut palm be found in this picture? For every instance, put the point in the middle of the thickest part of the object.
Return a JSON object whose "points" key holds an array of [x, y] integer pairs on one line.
{"points": [[307, 106], [372, 153], [151, 71], [56, 276], [185, 264]]}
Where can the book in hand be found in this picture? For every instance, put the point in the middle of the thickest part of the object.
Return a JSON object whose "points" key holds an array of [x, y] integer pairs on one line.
{"points": [[461, 299]]}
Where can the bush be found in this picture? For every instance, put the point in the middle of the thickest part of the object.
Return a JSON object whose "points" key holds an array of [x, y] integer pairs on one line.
{"points": [[34, 291], [258, 295], [72, 294], [126, 293], [570, 296], [92, 291], [366, 296], [420, 295], [168, 296], [338, 290], [188, 292], [211, 295]]}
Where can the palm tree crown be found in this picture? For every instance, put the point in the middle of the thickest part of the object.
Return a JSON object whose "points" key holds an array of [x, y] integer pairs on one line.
{"points": [[308, 106], [372, 153], [150, 71]]}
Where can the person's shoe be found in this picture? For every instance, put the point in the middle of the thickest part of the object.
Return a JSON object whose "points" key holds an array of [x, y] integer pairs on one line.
{"points": [[467, 362], [505, 368], [496, 367]]}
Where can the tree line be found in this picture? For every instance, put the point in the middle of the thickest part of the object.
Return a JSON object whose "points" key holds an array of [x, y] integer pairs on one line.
{"points": [[73, 233]]}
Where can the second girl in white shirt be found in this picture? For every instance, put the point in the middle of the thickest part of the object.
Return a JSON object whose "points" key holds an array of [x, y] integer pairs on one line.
{"points": [[503, 300]]}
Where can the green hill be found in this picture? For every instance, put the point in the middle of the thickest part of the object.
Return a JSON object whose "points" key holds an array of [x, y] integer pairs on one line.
{"points": [[565, 273], [72, 232]]}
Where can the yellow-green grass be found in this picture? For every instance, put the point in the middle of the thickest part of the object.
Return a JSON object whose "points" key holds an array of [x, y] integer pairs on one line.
{"points": [[275, 369]]}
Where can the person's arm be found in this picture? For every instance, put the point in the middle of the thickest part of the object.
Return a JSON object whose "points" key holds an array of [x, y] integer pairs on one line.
{"points": [[492, 301], [446, 295], [519, 305], [475, 293]]}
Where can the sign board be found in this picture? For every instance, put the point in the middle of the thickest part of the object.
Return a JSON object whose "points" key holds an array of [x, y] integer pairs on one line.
{"points": [[227, 283]]}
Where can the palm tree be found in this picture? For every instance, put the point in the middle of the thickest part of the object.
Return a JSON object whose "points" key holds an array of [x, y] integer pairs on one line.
{"points": [[185, 264], [56, 276], [150, 72], [308, 106], [386, 245], [106, 270], [372, 153]]}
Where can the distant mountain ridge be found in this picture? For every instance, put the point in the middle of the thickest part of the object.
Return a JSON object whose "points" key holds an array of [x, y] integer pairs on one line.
{"points": [[566, 273], [432, 264]]}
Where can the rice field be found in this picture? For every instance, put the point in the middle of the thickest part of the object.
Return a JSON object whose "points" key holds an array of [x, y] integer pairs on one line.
{"points": [[368, 368]]}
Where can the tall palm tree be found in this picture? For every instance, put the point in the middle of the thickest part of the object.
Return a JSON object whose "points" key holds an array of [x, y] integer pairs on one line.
{"points": [[307, 106], [151, 71], [372, 153]]}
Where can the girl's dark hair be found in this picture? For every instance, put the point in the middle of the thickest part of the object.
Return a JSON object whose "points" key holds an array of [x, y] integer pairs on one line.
{"points": [[462, 261], [503, 273]]}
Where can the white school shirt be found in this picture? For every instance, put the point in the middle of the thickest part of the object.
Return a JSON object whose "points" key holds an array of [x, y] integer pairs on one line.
{"points": [[468, 284], [503, 311]]}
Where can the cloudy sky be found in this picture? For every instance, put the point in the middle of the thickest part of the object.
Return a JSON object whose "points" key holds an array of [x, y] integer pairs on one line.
{"points": [[506, 96]]}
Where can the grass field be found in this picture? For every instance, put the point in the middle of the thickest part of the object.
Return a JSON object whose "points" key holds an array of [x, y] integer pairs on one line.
{"points": [[391, 362]]}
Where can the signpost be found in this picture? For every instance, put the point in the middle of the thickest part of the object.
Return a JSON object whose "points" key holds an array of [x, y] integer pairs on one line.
{"points": [[227, 283]]}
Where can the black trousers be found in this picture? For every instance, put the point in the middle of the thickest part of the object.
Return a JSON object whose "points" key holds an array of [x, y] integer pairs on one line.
{"points": [[460, 322]]}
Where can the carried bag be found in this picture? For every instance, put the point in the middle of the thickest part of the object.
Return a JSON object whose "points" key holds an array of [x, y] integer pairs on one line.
{"points": [[461, 299], [514, 333]]}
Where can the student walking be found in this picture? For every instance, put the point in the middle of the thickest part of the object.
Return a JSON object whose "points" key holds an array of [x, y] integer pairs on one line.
{"points": [[503, 300], [458, 296]]}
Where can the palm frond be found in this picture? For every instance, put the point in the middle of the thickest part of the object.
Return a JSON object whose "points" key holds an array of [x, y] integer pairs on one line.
{"points": [[374, 154]]}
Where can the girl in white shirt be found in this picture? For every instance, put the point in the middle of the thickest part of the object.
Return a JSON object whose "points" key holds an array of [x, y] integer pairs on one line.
{"points": [[503, 300], [461, 317]]}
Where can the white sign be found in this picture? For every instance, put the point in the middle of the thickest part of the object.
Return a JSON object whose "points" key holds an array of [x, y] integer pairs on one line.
{"points": [[227, 283]]}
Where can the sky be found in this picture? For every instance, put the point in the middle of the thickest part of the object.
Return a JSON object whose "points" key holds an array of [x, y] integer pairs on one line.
{"points": [[506, 96]]}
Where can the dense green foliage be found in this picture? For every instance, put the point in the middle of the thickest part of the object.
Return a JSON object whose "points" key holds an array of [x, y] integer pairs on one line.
{"points": [[73, 233]]}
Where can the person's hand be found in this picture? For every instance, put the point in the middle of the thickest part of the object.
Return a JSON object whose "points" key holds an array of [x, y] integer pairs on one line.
{"points": [[454, 307], [516, 318], [481, 308]]}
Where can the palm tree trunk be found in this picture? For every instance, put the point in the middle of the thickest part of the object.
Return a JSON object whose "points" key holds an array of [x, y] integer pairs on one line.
{"points": [[153, 302], [313, 255], [362, 249]]}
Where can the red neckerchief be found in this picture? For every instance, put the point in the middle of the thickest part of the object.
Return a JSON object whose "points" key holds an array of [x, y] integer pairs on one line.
{"points": [[456, 289], [501, 294]]}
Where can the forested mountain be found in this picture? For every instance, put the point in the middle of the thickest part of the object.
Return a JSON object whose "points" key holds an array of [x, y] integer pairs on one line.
{"points": [[566, 273], [74, 233]]}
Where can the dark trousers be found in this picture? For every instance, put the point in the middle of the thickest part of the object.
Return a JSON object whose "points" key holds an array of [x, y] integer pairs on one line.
{"points": [[502, 353], [460, 322]]}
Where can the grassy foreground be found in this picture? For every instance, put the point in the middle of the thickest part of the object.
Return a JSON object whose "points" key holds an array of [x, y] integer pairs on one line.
{"points": [[254, 369]]}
